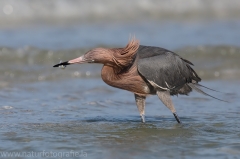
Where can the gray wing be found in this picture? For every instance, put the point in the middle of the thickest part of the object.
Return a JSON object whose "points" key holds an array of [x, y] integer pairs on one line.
{"points": [[164, 69]]}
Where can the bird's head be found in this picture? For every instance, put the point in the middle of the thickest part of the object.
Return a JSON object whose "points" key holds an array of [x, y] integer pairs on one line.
{"points": [[97, 55], [118, 57]]}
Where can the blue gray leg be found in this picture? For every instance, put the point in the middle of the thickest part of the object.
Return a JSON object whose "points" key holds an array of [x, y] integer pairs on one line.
{"points": [[140, 102]]}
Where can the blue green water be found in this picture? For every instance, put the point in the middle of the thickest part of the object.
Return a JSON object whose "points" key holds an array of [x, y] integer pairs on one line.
{"points": [[71, 113]]}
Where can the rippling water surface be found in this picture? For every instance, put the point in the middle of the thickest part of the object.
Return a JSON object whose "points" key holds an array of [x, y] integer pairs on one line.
{"points": [[86, 115], [49, 110]]}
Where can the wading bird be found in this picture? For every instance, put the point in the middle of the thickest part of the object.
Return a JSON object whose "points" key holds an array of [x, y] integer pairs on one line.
{"points": [[144, 70]]}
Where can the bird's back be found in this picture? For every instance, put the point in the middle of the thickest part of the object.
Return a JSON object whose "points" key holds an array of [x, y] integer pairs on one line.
{"points": [[166, 69]]}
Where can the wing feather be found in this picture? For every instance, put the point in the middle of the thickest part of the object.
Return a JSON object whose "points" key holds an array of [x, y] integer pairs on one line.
{"points": [[165, 68]]}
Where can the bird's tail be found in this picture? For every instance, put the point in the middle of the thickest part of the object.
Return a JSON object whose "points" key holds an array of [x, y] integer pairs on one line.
{"points": [[196, 86]]}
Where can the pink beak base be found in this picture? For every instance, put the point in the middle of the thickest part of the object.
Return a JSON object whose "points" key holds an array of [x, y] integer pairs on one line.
{"points": [[77, 60], [73, 61]]}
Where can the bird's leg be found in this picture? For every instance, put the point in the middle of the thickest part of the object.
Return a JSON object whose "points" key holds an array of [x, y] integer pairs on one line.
{"points": [[140, 101], [165, 97]]}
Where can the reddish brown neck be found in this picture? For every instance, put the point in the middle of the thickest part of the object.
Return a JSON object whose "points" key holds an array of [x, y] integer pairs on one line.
{"points": [[129, 80]]}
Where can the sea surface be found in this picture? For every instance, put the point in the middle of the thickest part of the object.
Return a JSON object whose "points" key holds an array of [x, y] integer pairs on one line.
{"points": [[71, 113]]}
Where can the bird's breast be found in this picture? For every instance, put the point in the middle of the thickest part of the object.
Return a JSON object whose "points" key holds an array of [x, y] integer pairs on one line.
{"points": [[129, 80]]}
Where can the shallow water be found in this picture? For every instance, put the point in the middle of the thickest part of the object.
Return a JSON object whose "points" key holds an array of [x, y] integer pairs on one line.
{"points": [[71, 113], [167, 34], [86, 116]]}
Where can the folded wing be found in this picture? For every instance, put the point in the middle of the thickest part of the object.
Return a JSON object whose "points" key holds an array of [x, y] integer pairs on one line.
{"points": [[166, 70]]}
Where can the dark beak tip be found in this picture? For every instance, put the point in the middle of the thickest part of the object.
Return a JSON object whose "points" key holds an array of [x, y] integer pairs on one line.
{"points": [[57, 65], [62, 64]]}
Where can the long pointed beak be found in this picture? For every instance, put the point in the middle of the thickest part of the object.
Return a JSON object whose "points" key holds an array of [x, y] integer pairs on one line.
{"points": [[73, 61]]}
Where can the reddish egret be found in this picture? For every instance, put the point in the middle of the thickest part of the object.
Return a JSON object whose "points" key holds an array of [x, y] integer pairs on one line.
{"points": [[144, 70]]}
